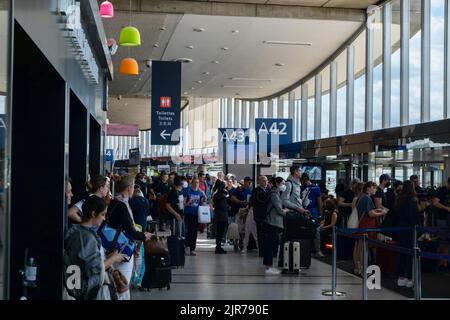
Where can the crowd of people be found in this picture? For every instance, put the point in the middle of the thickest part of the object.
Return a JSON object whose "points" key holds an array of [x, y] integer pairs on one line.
{"points": [[258, 211]]}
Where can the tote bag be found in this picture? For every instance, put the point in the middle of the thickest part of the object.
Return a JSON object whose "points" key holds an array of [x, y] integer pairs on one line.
{"points": [[353, 221], [204, 214]]}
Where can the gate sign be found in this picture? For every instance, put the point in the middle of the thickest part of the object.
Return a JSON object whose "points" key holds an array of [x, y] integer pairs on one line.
{"points": [[109, 155], [235, 146], [275, 132], [166, 100]]}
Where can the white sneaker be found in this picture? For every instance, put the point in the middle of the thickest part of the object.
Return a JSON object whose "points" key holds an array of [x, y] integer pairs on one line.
{"points": [[409, 283], [319, 254], [401, 282], [243, 251], [272, 271]]}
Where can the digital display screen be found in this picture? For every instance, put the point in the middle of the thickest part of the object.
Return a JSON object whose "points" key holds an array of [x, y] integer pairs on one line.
{"points": [[314, 172]]}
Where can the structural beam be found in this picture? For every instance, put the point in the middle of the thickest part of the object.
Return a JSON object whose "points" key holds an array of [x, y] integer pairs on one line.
{"points": [[240, 9]]}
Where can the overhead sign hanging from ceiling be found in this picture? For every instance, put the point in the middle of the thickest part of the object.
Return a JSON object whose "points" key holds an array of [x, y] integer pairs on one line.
{"points": [[166, 101]]}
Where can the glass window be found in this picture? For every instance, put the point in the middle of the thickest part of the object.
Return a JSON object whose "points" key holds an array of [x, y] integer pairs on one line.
{"points": [[297, 114], [437, 60], [378, 70], [275, 108], [415, 61], [360, 83], [311, 107], [325, 130], [285, 99], [341, 60], [395, 64]]}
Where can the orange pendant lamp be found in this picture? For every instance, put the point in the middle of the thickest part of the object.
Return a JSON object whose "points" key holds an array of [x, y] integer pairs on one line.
{"points": [[129, 67]]}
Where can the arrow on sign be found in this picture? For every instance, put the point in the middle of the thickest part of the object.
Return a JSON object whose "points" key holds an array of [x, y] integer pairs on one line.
{"points": [[164, 135]]}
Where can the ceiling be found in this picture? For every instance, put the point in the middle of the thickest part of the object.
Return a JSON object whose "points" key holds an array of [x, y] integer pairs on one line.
{"points": [[241, 54], [354, 4]]}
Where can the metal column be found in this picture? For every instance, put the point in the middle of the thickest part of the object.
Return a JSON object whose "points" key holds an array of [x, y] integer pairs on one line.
{"points": [[333, 98], [270, 109], [291, 113], [350, 89], [447, 60], [304, 119], [404, 63], [318, 107], [387, 47], [230, 105], [252, 114], [426, 61], [237, 112], [369, 74], [244, 114]]}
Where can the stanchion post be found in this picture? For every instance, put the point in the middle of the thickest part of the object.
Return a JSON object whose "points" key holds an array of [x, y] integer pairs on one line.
{"points": [[333, 271], [364, 269]]}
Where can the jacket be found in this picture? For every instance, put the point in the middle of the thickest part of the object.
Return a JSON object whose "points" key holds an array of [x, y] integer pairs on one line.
{"points": [[276, 214], [291, 198], [221, 206], [82, 249], [119, 216]]}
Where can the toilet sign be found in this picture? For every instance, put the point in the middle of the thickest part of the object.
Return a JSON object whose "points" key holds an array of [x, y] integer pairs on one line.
{"points": [[166, 100]]}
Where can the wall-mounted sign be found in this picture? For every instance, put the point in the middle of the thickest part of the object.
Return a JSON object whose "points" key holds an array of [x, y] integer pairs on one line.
{"points": [[73, 29], [271, 133], [134, 157], [166, 100]]}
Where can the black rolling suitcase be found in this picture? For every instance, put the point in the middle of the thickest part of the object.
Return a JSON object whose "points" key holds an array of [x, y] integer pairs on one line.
{"points": [[298, 227], [158, 272], [175, 244]]}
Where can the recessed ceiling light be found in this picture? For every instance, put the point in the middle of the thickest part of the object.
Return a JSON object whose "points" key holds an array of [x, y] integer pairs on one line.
{"points": [[156, 45], [206, 73], [185, 92], [225, 48], [184, 60], [199, 29], [192, 88], [189, 47], [235, 31], [199, 81], [250, 79], [163, 28], [237, 94], [279, 64], [215, 61], [289, 43]]}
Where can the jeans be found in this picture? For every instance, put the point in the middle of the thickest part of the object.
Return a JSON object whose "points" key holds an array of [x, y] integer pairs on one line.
{"points": [[191, 222], [405, 260], [271, 235]]}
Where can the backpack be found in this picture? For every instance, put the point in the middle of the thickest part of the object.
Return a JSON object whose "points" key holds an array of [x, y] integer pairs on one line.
{"points": [[259, 202]]}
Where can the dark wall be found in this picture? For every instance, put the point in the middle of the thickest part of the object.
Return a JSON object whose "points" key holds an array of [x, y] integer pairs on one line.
{"points": [[37, 169], [95, 138], [78, 146]]}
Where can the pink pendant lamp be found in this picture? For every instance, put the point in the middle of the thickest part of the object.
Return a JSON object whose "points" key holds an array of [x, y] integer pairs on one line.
{"points": [[106, 9]]}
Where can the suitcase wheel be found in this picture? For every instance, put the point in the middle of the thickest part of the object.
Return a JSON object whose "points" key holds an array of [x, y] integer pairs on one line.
{"points": [[160, 289], [168, 287]]}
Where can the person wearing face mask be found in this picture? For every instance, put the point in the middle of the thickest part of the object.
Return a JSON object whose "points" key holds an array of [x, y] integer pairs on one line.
{"points": [[273, 225], [83, 248], [120, 215], [97, 185]]}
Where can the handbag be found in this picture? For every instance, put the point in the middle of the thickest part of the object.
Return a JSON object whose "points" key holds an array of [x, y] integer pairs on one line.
{"points": [[155, 247], [353, 220], [115, 239], [204, 214]]}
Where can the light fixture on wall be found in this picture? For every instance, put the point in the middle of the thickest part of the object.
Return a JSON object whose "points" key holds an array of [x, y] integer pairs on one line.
{"points": [[129, 67], [106, 10]]}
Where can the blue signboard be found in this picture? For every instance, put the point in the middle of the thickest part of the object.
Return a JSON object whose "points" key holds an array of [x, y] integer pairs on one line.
{"points": [[109, 155], [166, 100], [272, 133], [235, 146]]}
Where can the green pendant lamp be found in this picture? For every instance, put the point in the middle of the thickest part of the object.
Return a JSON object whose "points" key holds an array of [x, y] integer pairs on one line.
{"points": [[130, 37]]}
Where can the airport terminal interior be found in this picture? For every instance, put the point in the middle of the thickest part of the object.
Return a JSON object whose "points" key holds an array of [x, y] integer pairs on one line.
{"points": [[224, 149]]}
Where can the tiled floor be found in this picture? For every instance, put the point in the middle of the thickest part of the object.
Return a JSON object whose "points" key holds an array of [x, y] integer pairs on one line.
{"points": [[238, 276]]}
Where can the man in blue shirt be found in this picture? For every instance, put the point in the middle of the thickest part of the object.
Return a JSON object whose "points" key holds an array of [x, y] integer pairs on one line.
{"points": [[240, 198], [193, 199], [311, 201]]}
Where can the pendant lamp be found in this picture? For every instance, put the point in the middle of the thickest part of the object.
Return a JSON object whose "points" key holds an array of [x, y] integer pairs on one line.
{"points": [[106, 9], [130, 37], [129, 67]]}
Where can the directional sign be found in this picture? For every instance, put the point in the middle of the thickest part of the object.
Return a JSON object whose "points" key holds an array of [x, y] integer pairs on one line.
{"points": [[134, 157], [271, 133], [109, 155], [166, 99]]}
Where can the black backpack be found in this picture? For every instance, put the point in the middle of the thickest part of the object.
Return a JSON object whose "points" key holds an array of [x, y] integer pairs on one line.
{"points": [[259, 201]]}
